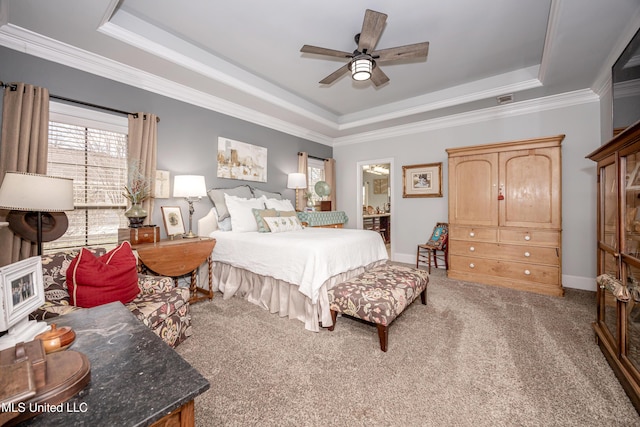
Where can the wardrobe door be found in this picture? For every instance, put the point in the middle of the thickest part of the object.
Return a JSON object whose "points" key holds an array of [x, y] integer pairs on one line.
{"points": [[530, 188], [473, 190]]}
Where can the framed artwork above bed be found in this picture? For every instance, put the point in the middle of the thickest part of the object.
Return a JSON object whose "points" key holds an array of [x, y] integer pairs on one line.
{"points": [[239, 160]]}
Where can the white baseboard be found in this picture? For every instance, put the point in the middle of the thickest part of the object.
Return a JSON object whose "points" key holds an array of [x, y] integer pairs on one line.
{"points": [[568, 281], [579, 282]]}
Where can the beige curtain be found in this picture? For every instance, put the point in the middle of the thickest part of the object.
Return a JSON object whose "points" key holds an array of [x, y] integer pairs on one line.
{"points": [[330, 178], [23, 148], [302, 168], [143, 147]]}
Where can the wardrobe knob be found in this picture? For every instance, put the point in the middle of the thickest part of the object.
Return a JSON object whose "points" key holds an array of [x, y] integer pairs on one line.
{"points": [[472, 265], [472, 249], [527, 237], [527, 254], [472, 234], [527, 272]]}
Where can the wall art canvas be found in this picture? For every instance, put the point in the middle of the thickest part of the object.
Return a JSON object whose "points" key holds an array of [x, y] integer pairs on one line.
{"points": [[239, 160]]}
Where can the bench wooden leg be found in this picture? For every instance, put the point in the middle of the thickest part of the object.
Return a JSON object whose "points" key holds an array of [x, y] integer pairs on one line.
{"points": [[334, 316], [383, 334], [423, 296]]}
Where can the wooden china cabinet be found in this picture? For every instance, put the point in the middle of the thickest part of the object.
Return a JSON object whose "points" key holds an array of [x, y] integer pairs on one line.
{"points": [[505, 214], [617, 324]]}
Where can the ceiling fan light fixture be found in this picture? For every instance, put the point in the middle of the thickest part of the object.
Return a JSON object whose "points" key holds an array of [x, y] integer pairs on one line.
{"points": [[361, 69]]}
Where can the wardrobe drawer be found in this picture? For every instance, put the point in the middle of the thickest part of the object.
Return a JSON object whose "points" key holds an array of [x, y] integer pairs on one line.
{"points": [[531, 237], [473, 233], [522, 253], [506, 269]]}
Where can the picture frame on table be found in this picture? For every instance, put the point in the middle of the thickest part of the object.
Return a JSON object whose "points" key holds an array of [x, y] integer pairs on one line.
{"points": [[173, 222], [424, 180]]}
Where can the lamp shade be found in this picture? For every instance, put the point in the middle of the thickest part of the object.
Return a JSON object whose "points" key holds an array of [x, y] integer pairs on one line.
{"points": [[36, 193], [297, 180], [189, 186]]}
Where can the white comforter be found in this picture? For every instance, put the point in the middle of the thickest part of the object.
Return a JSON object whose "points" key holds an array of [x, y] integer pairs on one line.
{"points": [[307, 257]]}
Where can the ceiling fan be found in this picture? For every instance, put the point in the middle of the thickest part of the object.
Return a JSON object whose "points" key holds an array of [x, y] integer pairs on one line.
{"points": [[364, 60]]}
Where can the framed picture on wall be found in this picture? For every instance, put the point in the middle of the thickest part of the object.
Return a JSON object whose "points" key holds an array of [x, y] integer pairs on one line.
{"points": [[422, 180], [172, 218]]}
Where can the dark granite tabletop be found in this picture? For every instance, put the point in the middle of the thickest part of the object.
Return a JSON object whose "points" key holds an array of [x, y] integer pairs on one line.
{"points": [[136, 378]]}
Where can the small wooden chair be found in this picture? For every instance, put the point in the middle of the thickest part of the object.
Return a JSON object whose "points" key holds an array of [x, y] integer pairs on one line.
{"points": [[437, 242]]}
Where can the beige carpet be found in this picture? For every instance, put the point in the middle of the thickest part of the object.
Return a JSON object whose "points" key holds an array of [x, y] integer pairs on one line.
{"points": [[475, 355]]}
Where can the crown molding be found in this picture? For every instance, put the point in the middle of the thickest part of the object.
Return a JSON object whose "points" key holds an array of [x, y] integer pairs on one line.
{"points": [[34, 44], [499, 112]]}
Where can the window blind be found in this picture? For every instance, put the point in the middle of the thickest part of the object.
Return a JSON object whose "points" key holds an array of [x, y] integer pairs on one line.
{"points": [[96, 159]]}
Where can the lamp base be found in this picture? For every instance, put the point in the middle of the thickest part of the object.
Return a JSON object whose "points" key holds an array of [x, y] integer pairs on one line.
{"points": [[189, 235]]}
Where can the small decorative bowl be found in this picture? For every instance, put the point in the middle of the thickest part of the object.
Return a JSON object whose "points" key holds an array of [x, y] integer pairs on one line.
{"points": [[57, 339]]}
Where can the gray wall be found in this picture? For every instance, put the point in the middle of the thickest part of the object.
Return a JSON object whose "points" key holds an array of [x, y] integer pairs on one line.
{"points": [[413, 218], [187, 135]]}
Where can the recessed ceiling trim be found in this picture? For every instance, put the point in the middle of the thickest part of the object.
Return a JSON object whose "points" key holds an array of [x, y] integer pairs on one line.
{"points": [[34, 44], [482, 89], [550, 38], [142, 35], [501, 111]]}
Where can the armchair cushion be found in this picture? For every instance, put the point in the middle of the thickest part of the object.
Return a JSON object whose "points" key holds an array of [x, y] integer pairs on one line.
{"points": [[111, 277]]}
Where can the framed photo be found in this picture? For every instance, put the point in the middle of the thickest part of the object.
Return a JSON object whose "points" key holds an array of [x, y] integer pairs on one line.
{"points": [[22, 288], [422, 180], [161, 190], [173, 223]]}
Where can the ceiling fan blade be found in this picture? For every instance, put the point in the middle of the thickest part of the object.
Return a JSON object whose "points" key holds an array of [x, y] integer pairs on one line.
{"points": [[410, 51], [324, 51], [335, 75], [371, 30], [378, 77]]}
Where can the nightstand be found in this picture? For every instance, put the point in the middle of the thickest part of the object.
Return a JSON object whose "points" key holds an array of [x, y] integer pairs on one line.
{"points": [[175, 258]]}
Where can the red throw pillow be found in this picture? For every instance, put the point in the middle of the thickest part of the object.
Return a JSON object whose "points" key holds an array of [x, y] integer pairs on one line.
{"points": [[95, 281]]}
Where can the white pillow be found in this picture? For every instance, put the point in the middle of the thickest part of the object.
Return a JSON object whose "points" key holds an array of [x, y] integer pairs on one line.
{"points": [[242, 218], [279, 224], [279, 205]]}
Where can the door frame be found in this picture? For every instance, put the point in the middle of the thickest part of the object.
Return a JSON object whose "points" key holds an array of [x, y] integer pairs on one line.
{"points": [[359, 222]]}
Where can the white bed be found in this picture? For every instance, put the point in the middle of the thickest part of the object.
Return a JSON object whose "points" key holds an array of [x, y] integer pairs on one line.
{"points": [[290, 273]]}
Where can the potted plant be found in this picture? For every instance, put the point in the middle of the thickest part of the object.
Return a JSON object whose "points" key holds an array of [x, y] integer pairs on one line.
{"points": [[137, 190]]}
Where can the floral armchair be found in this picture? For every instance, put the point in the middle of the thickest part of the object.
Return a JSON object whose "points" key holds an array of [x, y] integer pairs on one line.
{"points": [[160, 305]]}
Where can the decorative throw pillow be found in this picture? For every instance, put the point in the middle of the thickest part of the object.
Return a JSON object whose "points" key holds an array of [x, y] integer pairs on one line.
{"points": [[242, 218], [111, 277], [279, 205], [268, 194], [281, 224], [287, 213], [260, 215], [217, 197]]}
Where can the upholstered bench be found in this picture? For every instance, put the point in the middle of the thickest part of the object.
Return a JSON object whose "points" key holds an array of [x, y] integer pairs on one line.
{"points": [[379, 296]]}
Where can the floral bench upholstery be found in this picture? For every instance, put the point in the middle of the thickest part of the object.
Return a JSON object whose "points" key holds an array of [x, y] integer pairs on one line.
{"points": [[379, 296], [160, 305]]}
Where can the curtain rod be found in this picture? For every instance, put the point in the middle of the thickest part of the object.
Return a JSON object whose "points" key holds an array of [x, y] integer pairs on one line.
{"points": [[75, 101], [313, 157]]}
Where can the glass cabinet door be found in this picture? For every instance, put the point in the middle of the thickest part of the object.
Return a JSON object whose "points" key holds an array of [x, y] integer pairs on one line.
{"points": [[631, 258], [632, 318], [608, 248]]}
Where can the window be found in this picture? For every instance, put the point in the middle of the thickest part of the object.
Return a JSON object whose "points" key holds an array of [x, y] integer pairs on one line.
{"points": [[315, 173], [91, 148]]}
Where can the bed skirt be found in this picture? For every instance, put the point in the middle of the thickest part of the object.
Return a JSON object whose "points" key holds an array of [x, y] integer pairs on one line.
{"points": [[278, 296]]}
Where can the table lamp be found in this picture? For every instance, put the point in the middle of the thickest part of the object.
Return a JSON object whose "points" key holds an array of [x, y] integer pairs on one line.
{"points": [[297, 181], [36, 194], [192, 188]]}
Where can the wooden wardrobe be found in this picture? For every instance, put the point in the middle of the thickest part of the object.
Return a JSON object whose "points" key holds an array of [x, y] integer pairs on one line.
{"points": [[505, 214]]}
